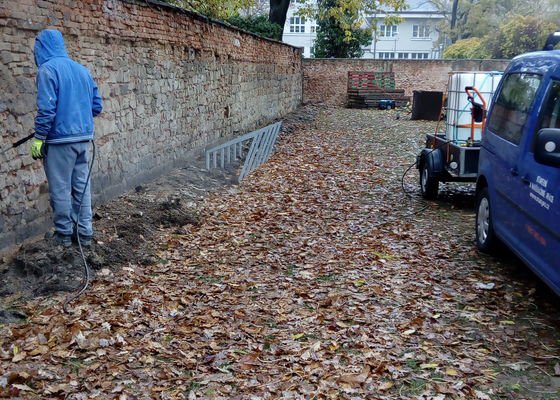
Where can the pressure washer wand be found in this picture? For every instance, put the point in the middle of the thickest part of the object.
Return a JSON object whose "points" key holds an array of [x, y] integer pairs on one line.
{"points": [[18, 143]]}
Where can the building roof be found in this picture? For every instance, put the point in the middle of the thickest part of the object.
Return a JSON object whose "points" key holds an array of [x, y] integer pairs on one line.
{"points": [[415, 7], [421, 6]]}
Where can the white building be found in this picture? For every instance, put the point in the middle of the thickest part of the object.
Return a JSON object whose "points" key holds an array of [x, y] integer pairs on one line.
{"points": [[415, 37], [299, 31]]}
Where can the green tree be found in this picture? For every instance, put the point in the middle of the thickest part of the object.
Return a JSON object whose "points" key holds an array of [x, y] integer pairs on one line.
{"points": [[338, 35], [219, 9], [519, 34], [482, 18], [349, 15], [334, 42], [341, 30], [259, 25], [467, 48]]}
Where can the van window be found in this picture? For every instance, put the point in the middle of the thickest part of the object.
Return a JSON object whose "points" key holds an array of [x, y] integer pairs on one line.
{"points": [[513, 106], [550, 115]]}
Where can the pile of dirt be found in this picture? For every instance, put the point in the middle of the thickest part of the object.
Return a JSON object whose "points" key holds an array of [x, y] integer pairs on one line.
{"points": [[124, 229]]}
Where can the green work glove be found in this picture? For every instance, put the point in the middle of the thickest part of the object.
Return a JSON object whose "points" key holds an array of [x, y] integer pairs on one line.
{"points": [[37, 149]]}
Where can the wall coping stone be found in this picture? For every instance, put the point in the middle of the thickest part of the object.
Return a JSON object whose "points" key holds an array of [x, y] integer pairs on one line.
{"points": [[205, 18]]}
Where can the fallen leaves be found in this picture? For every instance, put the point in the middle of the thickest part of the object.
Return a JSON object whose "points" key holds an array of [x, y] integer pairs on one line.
{"points": [[311, 279]]}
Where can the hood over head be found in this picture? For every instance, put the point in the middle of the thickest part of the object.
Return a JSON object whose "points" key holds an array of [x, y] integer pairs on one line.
{"points": [[49, 44]]}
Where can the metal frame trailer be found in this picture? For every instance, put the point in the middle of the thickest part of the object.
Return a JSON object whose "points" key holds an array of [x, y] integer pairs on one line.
{"points": [[445, 161]]}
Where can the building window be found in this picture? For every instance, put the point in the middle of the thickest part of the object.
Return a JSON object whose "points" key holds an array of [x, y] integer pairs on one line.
{"points": [[388, 30], [403, 55], [419, 56], [313, 28], [420, 31], [386, 55], [297, 25]]}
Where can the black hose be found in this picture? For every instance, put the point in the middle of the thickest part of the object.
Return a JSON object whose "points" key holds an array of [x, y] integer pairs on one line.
{"points": [[87, 274], [424, 203], [408, 193]]}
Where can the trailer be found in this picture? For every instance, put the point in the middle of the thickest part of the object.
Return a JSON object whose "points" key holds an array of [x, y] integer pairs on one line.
{"points": [[452, 155]]}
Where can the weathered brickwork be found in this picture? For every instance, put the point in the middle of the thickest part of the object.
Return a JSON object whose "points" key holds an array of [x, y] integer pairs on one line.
{"points": [[172, 82], [326, 80]]}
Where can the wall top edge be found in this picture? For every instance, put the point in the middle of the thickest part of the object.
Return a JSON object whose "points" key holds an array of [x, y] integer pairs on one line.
{"points": [[204, 18], [403, 60]]}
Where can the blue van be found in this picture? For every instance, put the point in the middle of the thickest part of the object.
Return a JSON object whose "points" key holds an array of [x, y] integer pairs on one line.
{"points": [[518, 185]]}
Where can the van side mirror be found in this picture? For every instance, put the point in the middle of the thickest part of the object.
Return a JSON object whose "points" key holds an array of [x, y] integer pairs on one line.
{"points": [[547, 147], [552, 40]]}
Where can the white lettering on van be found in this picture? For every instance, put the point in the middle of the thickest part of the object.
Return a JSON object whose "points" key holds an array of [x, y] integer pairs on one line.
{"points": [[541, 181], [544, 199], [538, 189], [541, 202]]}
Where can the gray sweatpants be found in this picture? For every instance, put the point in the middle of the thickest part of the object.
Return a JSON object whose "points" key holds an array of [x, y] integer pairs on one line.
{"points": [[66, 167]]}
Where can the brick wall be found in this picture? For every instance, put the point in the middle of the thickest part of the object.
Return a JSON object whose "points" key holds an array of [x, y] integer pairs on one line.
{"points": [[172, 82], [326, 80]]}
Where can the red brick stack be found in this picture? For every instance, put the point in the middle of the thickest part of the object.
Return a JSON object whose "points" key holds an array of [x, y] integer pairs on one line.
{"points": [[367, 89]]}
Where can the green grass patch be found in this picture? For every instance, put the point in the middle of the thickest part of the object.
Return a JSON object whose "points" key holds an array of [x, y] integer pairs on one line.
{"points": [[327, 278]]}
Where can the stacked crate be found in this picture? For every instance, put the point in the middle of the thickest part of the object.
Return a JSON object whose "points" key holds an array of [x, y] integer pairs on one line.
{"points": [[367, 89]]}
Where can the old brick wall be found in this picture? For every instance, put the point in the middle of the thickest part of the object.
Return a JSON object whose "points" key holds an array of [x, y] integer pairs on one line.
{"points": [[325, 80], [172, 82]]}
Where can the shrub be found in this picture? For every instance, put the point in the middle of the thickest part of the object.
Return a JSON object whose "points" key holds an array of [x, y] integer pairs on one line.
{"points": [[259, 25], [467, 48]]}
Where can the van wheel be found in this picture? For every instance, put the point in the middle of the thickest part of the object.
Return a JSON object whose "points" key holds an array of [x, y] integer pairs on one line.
{"points": [[485, 236], [429, 185]]}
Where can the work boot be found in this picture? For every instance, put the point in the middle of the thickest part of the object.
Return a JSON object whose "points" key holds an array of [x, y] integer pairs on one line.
{"points": [[85, 241], [59, 239]]}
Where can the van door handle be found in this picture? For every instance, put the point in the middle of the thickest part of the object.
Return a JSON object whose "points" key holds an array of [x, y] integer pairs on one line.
{"points": [[514, 171], [525, 180]]}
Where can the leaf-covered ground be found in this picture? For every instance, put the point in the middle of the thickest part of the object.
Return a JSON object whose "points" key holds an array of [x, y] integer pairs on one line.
{"points": [[317, 277]]}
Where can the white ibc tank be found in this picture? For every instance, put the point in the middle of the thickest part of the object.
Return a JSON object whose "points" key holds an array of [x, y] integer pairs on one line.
{"points": [[458, 107]]}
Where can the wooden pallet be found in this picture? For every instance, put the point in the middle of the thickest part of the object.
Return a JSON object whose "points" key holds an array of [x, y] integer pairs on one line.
{"points": [[367, 88]]}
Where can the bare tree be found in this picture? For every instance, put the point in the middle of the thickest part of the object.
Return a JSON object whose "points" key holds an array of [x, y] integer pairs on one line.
{"points": [[454, 20], [277, 13]]}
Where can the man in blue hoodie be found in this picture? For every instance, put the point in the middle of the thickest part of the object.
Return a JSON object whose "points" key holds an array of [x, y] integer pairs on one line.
{"points": [[67, 101]]}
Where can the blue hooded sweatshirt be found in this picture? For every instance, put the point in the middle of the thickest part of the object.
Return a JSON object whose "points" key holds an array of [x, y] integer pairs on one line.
{"points": [[67, 96]]}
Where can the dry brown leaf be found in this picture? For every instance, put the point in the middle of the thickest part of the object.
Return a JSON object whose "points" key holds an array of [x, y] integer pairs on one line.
{"points": [[384, 386], [355, 379], [39, 350], [19, 356], [22, 387]]}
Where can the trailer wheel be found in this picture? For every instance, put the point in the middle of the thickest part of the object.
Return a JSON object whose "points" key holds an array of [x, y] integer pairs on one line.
{"points": [[429, 184], [485, 236]]}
